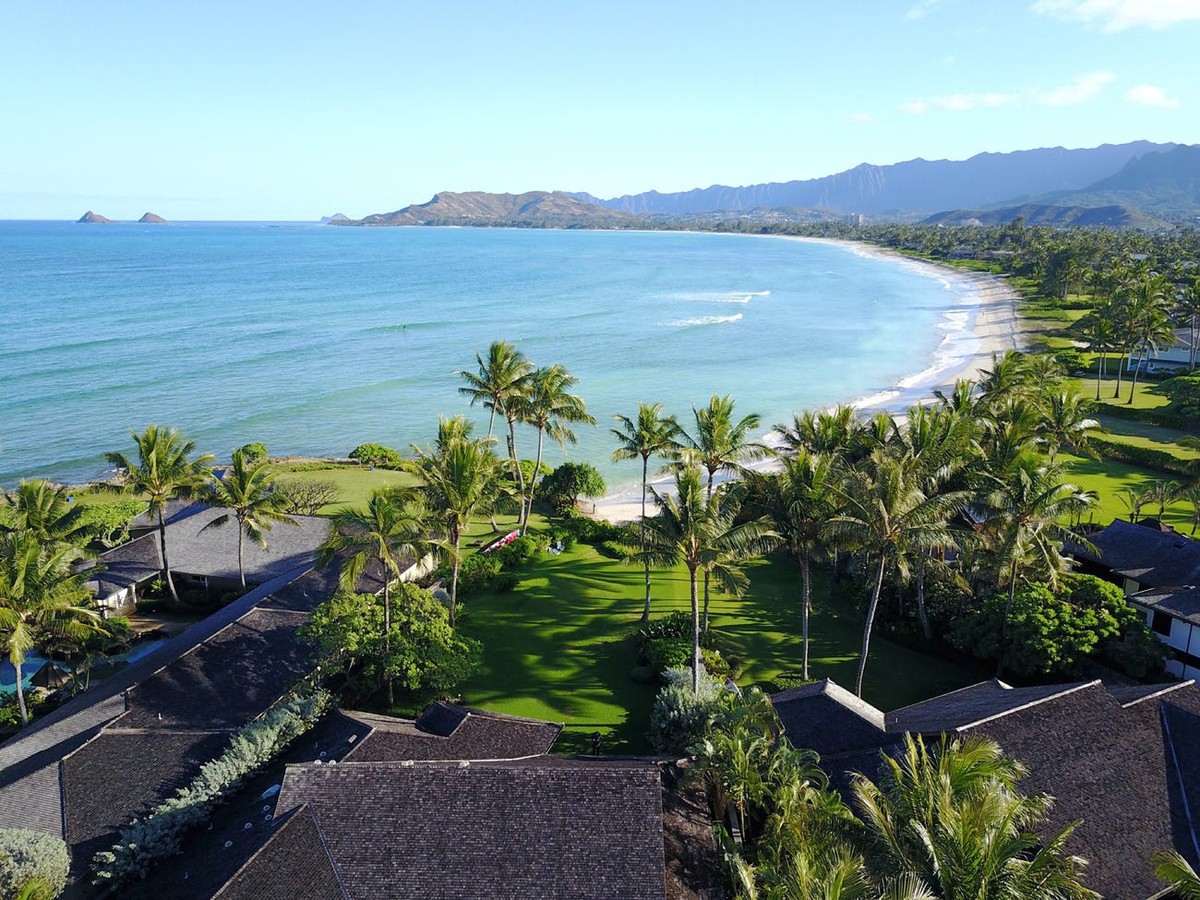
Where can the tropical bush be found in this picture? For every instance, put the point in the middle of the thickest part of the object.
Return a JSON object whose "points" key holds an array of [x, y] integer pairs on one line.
{"points": [[254, 451], [563, 487], [590, 531], [144, 841], [32, 865], [681, 717], [377, 455], [477, 572], [522, 551]]}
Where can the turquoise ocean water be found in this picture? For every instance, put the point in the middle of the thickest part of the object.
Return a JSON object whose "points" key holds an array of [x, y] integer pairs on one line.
{"points": [[314, 339]]}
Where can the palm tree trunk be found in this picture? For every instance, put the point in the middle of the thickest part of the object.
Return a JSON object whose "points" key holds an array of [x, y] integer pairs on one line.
{"points": [[162, 545], [21, 695], [512, 454], [706, 577], [491, 426], [455, 537], [241, 559], [387, 632], [866, 647], [1122, 361], [645, 556], [1099, 372], [805, 604], [1012, 593], [1137, 368], [922, 615], [696, 662], [533, 480]]}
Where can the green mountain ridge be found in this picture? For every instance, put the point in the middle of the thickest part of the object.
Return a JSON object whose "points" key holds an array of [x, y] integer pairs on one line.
{"points": [[540, 208]]}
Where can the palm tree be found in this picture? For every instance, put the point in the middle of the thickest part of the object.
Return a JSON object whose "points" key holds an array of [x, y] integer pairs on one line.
{"points": [[799, 500], [39, 599], [1026, 506], [653, 434], [1187, 308], [696, 528], [1066, 420], [500, 382], [836, 433], [162, 471], [43, 509], [245, 490], [886, 515], [1150, 325], [1097, 328], [721, 445], [951, 818], [389, 531], [457, 482], [550, 408], [1176, 871]]}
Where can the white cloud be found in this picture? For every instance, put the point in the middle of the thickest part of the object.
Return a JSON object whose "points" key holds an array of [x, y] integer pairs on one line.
{"points": [[1080, 90], [859, 118], [1118, 15], [1150, 95]]}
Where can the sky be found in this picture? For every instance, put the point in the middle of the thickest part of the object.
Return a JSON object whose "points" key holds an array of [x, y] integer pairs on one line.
{"points": [[291, 111]]}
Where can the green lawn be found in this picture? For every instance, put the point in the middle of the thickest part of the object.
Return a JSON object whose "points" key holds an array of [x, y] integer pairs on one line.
{"points": [[1106, 478], [559, 647], [354, 483]]}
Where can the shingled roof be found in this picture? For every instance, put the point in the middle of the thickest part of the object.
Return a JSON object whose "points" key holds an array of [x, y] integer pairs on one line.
{"points": [[1145, 554], [1180, 603], [448, 732], [520, 830], [825, 717], [1125, 761]]}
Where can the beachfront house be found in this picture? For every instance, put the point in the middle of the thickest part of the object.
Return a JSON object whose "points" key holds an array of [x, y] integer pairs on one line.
{"points": [[200, 557], [1179, 355]]}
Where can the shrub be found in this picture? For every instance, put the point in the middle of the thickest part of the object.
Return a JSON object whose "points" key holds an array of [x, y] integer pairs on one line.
{"points": [[254, 451], [377, 455], [680, 718], [143, 841], [521, 552], [32, 864], [505, 582], [618, 550], [667, 653], [590, 531], [676, 624], [716, 664], [109, 523], [477, 572], [561, 535], [1146, 457]]}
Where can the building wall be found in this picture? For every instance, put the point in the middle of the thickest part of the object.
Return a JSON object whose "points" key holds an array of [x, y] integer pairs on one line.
{"points": [[1184, 641]]}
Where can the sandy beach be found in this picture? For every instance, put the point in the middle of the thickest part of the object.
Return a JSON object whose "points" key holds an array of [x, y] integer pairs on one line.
{"points": [[983, 321]]}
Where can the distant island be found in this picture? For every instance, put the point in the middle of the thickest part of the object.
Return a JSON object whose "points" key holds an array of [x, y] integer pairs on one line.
{"points": [[151, 219], [92, 218], [335, 219]]}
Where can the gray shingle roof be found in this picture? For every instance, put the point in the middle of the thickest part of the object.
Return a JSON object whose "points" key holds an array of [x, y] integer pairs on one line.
{"points": [[1122, 761], [825, 717], [518, 830], [448, 732], [1146, 554], [293, 857], [1180, 603]]}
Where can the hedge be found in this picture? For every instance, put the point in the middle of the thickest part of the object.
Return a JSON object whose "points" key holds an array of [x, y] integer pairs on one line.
{"points": [[1146, 416], [1146, 457]]}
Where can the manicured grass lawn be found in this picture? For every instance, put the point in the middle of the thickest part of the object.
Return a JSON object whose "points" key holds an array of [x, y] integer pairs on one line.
{"points": [[560, 646], [354, 483], [1107, 479]]}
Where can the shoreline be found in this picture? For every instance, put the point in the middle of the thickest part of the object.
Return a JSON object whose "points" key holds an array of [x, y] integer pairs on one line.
{"points": [[985, 320]]}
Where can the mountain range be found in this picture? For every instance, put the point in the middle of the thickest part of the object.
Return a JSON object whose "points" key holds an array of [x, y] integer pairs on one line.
{"points": [[1137, 184]]}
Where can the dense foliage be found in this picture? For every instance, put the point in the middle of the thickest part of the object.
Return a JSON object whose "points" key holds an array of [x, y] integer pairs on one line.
{"points": [[377, 455], [33, 865], [563, 487]]}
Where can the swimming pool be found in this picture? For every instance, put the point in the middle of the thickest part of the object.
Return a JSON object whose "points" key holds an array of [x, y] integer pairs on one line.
{"points": [[34, 661]]}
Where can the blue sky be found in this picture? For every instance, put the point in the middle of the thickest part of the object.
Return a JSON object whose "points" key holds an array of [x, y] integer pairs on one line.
{"points": [[291, 111]]}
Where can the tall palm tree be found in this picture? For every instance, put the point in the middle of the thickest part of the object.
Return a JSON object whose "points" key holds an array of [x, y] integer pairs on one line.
{"points": [[1066, 421], [502, 379], [457, 482], [1026, 506], [551, 409], [392, 529], [836, 433], [696, 528], [39, 599], [952, 818], [652, 434], [42, 508], [887, 516], [245, 490], [163, 470], [1097, 328], [799, 500], [1150, 325], [721, 444]]}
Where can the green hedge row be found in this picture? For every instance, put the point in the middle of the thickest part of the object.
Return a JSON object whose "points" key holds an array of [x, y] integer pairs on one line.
{"points": [[1146, 457], [1146, 416]]}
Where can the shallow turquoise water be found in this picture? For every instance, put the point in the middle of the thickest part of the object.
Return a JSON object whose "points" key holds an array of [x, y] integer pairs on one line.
{"points": [[314, 339]]}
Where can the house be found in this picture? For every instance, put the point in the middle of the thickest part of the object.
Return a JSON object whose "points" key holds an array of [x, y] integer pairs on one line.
{"points": [[1174, 615], [202, 556], [1140, 556], [1123, 759], [1178, 355]]}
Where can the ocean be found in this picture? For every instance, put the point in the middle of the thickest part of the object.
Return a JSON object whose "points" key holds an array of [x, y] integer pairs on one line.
{"points": [[314, 339]]}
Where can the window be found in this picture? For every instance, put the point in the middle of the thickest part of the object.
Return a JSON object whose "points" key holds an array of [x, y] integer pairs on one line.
{"points": [[1161, 623]]}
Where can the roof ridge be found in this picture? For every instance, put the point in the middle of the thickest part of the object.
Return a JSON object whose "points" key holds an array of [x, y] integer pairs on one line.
{"points": [[1032, 703], [1167, 689], [968, 687]]}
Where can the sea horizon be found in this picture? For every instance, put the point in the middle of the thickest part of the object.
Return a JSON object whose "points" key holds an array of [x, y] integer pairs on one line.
{"points": [[313, 339]]}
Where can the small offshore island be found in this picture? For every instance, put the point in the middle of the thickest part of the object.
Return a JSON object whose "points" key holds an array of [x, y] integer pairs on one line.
{"points": [[233, 674]]}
